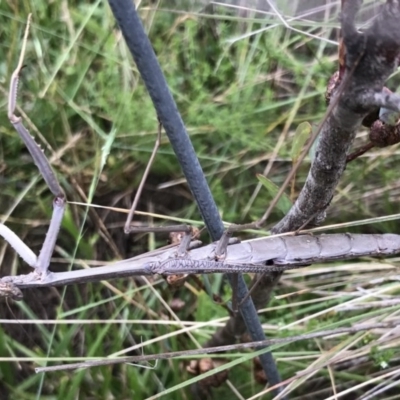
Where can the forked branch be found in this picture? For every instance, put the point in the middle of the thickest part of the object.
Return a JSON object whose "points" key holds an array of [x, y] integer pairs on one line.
{"points": [[371, 56]]}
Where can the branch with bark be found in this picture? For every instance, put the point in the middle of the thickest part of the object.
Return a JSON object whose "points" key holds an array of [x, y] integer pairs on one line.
{"points": [[371, 57]]}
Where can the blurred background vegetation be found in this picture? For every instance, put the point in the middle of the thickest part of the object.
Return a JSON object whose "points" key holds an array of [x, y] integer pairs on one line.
{"points": [[244, 77]]}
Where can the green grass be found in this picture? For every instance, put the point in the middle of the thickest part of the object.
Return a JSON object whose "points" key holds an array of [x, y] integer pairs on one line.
{"points": [[91, 113]]}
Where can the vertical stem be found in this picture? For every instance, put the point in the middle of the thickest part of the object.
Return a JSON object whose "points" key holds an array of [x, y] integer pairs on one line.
{"points": [[167, 112]]}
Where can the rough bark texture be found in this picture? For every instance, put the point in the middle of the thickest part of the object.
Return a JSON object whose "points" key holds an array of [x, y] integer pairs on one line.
{"points": [[371, 56]]}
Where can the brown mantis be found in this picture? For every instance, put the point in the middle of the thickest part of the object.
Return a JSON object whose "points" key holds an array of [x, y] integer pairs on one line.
{"points": [[173, 262], [258, 255]]}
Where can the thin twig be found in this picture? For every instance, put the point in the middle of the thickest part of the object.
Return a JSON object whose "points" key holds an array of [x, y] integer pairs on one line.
{"points": [[218, 349]]}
